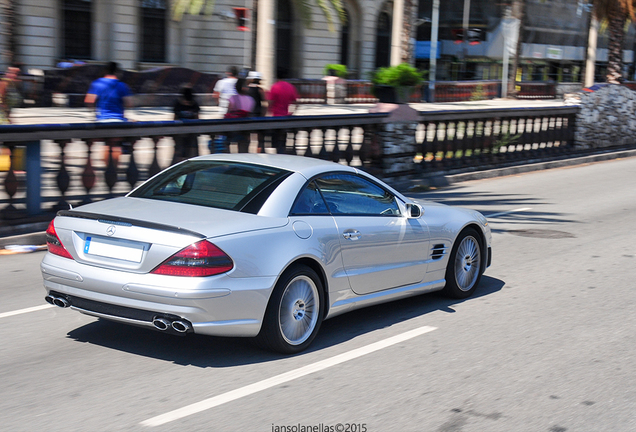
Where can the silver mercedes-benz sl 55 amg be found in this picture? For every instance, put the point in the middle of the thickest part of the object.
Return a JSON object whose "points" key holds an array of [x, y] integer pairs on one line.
{"points": [[258, 245]]}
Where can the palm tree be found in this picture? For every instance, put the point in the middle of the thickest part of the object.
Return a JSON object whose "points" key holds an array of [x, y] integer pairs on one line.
{"points": [[195, 7], [406, 41], [615, 13]]}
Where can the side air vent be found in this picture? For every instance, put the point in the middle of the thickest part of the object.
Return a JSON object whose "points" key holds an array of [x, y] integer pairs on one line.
{"points": [[438, 251]]}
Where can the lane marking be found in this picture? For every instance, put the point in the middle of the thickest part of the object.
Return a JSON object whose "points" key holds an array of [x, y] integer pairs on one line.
{"points": [[27, 310], [282, 378], [507, 212]]}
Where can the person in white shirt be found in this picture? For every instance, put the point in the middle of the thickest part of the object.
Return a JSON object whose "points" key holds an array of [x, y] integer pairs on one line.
{"points": [[226, 88]]}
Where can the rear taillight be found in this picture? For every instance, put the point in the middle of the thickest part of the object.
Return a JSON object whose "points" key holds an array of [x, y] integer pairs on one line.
{"points": [[199, 259], [54, 244]]}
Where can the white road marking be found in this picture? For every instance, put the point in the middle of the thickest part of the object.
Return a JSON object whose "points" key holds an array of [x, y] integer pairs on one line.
{"points": [[282, 378], [27, 310], [507, 212]]}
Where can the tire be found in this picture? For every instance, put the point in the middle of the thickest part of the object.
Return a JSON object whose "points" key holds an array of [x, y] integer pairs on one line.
{"points": [[465, 265], [294, 312]]}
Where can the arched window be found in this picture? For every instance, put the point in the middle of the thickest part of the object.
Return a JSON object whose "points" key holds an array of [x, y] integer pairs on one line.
{"points": [[284, 40], [153, 30], [345, 36], [77, 29], [383, 40]]}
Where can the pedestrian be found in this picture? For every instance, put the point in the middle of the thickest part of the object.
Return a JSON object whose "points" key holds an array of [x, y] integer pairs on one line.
{"points": [[10, 96], [186, 108], [109, 96], [258, 94], [225, 88], [260, 103], [240, 105], [282, 102]]}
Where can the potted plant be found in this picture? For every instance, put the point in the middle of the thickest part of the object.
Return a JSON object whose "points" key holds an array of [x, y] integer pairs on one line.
{"points": [[338, 70], [395, 84]]}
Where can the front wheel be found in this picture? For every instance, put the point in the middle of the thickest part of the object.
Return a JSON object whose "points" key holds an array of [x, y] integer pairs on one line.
{"points": [[464, 268], [294, 312]]}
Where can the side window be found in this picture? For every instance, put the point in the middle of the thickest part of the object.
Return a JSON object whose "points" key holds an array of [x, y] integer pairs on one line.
{"points": [[354, 195], [309, 202]]}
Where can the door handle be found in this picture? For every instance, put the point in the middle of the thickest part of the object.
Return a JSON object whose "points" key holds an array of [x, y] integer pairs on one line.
{"points": [[351, 234]]}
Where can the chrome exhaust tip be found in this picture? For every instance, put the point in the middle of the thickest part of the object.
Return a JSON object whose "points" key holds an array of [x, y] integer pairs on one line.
{"points": [[180, 326], [57, 301], [161, 323]]}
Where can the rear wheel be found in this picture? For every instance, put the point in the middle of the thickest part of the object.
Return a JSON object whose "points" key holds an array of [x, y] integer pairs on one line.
{"points": [[464, 268], [294, 312]]}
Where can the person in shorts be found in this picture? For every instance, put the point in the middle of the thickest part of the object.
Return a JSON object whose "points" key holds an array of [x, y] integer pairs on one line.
{"points": [[109, 96]]}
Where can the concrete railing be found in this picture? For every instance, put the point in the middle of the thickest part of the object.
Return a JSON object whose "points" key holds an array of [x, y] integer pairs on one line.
{"points": [[74, 163]]}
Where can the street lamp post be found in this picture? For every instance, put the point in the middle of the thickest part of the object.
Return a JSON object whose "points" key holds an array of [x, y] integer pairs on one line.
{"points": [[433, 51]]}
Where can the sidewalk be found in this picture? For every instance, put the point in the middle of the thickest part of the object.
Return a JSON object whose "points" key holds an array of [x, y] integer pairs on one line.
{"points": [[84, 115]]}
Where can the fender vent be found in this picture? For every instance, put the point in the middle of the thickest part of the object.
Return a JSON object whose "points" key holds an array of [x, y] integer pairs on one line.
{"points": [[438, 251]]}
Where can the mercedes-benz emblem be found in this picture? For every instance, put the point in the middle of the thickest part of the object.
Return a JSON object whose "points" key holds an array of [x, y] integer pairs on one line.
{"points": [[110, 230]]}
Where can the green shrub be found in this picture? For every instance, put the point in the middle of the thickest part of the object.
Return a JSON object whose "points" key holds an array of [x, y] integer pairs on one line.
{"points": [[341, 70], [402, 75]]}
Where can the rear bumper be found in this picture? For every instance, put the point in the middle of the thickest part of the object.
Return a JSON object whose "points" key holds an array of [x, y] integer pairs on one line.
{"points": [[215, 306]]}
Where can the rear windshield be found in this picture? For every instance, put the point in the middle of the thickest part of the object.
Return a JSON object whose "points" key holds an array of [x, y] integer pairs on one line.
{"points": [[219, 184]]}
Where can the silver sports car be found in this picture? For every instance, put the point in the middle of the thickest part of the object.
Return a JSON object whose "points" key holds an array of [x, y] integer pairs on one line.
{"points": [[256, 245]]}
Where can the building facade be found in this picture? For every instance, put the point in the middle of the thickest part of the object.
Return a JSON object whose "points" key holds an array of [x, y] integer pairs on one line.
{"points": [[142, 34]]}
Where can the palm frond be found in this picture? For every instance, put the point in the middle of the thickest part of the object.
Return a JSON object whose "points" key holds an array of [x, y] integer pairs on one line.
{"points": [[327, 13], [196, 6], [304, 10], [209, 7], [178, 9]]}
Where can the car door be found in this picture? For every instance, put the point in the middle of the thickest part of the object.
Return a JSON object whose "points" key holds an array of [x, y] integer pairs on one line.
{"points": [[381, 248]]}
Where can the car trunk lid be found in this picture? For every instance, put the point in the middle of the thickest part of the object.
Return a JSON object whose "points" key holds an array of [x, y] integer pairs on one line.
{"points": [[137, 235]]}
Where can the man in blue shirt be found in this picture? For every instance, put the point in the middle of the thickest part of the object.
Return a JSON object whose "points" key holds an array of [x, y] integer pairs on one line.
{"points": [[109, 96]]}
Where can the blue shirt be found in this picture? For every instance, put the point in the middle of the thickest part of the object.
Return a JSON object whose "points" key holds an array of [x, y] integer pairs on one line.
{"points": [[110, 98]]}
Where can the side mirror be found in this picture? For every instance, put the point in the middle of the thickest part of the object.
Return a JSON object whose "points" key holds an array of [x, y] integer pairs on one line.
{"points": [[414, 211]]}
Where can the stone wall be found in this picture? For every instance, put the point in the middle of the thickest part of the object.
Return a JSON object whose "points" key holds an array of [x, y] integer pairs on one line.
{"points": [[397, 137], [607, 117]]}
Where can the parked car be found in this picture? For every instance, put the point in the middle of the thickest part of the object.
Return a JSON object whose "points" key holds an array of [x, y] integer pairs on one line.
{"points": [[258, 245]]}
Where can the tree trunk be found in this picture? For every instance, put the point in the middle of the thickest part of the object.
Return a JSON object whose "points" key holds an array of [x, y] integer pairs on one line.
{"points": [[615, 47], [407, 33], [587, 77]]}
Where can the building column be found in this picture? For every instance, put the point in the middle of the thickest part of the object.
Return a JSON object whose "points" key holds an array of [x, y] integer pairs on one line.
{"points": [[396, 32], [266, 41]]}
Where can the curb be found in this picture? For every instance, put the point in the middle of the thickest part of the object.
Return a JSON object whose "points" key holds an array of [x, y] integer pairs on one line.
{"points": [[34, 238], [443, 180], [539, 166]]}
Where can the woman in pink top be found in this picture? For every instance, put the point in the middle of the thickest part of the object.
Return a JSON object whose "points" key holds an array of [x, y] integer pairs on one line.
{"points": [[281, 96]]}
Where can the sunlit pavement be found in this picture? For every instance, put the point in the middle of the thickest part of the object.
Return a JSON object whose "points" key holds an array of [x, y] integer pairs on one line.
{"points": [[56, 115]]}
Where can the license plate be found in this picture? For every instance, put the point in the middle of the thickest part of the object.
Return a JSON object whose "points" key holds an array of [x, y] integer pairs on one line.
{"points": [[113, 248]]}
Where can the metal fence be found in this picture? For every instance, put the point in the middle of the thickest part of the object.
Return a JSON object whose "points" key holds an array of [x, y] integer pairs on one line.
{"points": [[480, 139]]}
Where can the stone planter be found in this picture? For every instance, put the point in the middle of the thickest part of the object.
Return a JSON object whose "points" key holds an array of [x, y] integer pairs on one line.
{"points": [[391, 94]]}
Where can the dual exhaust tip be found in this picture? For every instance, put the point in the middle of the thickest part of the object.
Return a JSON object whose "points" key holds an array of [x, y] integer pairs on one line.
{"points": [[57, 301], [160, 323], [163, 324]]}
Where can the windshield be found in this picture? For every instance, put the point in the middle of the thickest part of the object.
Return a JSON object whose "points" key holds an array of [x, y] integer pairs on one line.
{"points": [[219, 184]]}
